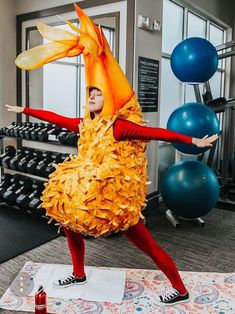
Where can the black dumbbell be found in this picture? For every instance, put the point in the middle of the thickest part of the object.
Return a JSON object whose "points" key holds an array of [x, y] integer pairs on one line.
{"points": [[52, 134], [23, 200], [68, 138], [10, 132], [34, 126], [15, 131], [47, 167], [10, 196], [62, 137], [43, 133], [7, 156], [34, 133], [56, 158], [2, 131], [11, 181], [32, 164], [64, 156], [35, 201], [8, 128], [6, 180], [21, 153], [22, 164], [72, 138], [39, 171], [22, 131]]}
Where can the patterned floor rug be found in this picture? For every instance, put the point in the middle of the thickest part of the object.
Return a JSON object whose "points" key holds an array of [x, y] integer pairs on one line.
{"points": [[211, 293]]}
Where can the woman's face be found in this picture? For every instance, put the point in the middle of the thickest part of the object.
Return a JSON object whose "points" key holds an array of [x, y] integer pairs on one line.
{"points": [[95, 101]]}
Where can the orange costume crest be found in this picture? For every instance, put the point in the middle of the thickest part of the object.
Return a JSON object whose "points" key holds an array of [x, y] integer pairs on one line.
{"points": [[101, 68]]}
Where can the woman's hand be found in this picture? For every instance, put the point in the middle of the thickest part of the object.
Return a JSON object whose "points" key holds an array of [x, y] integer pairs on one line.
{"points": [[205, 141], [14, 108]]}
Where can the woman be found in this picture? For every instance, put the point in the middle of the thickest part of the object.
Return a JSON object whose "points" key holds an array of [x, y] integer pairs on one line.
{"points": [[137, 233]]}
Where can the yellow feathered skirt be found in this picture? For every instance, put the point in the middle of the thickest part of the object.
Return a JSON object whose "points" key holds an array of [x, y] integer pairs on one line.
{"points": [[103, 188]]}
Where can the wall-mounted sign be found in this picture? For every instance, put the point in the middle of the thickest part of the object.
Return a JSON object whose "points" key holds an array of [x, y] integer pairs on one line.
{"points": [[148, 77]]}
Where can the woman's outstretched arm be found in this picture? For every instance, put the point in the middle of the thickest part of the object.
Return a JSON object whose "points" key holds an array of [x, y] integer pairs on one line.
{"points": [[49, 116]]}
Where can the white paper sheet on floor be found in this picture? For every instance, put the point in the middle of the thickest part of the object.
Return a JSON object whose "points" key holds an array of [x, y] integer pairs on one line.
{"points": [[103, 285]]}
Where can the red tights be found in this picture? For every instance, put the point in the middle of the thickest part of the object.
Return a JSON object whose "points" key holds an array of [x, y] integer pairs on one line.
{"points": [[140, 237]]}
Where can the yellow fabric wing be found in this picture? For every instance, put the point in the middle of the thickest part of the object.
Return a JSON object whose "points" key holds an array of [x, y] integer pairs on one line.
{"points": [[38, 56], [54, 34]]}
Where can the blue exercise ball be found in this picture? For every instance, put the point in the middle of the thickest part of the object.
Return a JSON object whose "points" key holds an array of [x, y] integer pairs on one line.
{"points": [[194, 60], [196, 120], [190, 189]]}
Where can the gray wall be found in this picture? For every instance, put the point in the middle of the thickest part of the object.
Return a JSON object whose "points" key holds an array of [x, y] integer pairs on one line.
{"points": [[7, 57], [149, 45], [25, 6]]}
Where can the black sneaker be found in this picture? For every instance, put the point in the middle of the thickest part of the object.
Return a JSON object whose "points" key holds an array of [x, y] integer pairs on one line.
{"points": [[172, 297], [69, 281]]}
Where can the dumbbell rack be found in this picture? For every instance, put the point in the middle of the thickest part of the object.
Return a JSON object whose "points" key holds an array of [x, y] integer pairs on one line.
{"points": [[19, 145]]}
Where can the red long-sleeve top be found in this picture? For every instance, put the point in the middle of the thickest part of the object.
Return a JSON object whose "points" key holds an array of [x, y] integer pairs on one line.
{"points": [[122, 129]]}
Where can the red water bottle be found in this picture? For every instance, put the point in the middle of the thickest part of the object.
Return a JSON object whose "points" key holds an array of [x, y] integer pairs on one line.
{"points": [[40, 301]]}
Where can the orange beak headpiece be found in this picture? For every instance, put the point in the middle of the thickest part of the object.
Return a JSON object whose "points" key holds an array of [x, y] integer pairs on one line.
{"points": [[101, 68]]}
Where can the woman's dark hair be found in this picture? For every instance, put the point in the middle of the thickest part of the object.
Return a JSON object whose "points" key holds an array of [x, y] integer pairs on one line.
{"points": [[93, 87]]}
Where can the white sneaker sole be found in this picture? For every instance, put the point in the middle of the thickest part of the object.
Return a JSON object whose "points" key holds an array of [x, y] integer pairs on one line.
{"points": [[67, 286]]}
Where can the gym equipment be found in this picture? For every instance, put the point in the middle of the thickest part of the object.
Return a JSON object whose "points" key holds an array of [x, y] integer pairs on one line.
{"points": [[49, 133], [22, 164], [34, 133], [7, 129], [10, 130], [221, 157], [40, 168], [6, 180], [7, 156], [32, 200], [196, 120], [12, 181], [2, 131], [32, 128], [42, 134], [35, 201], [72, 138], [68, 138], [48, 169], [17, 129], [20, 154], [190, 189], [11, 194], [32, 164], [24, 192], [22, 131], [194, 60]]}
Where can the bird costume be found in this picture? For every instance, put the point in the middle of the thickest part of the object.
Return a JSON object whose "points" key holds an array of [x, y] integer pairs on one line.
{"points": [[103, 188]]}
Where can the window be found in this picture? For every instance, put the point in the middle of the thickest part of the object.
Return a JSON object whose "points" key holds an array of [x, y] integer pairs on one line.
{"points": [[185, 23]]}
